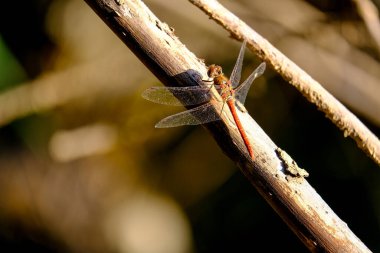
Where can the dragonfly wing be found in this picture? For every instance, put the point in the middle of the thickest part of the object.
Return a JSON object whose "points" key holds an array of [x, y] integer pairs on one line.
{"points": [[198, 115], [178, 96], [242, 90], [236, 72]]}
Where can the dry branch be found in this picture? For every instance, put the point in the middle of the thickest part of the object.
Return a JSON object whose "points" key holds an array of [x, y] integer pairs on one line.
{"points": [[274, 174], [310, 88]]}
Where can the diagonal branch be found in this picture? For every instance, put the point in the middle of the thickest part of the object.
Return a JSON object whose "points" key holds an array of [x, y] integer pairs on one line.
{"points": [[274, 174], [310, 88]]}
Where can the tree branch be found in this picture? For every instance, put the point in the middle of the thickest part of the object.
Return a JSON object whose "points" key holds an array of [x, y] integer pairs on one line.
{"points": [[310, 88], [274, 174]]}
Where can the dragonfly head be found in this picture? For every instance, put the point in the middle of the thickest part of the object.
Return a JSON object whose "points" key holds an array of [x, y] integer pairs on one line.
{"points": [[214, 71]]}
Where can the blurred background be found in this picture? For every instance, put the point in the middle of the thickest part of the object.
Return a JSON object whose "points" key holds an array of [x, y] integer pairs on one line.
{"points": [[82, 168]]}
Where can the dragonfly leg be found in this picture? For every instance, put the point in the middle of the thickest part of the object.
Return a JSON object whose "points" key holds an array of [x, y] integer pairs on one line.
{"points": [[212, 84], [222, 107]]}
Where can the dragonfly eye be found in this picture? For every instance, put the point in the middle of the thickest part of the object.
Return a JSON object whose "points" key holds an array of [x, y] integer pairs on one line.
{"points": [[214, 71], [211, 70]]}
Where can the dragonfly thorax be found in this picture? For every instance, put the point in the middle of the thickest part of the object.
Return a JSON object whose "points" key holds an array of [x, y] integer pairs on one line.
{"points": [[221, 82]]}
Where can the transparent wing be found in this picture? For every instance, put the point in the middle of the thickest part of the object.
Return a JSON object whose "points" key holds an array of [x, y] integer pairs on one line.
{"points": [[178, 96], [236, 72], [242, 90], [199, 115]]}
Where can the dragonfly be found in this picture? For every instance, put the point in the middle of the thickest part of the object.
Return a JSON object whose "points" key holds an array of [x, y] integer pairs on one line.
{"points": [[231, 92]]}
